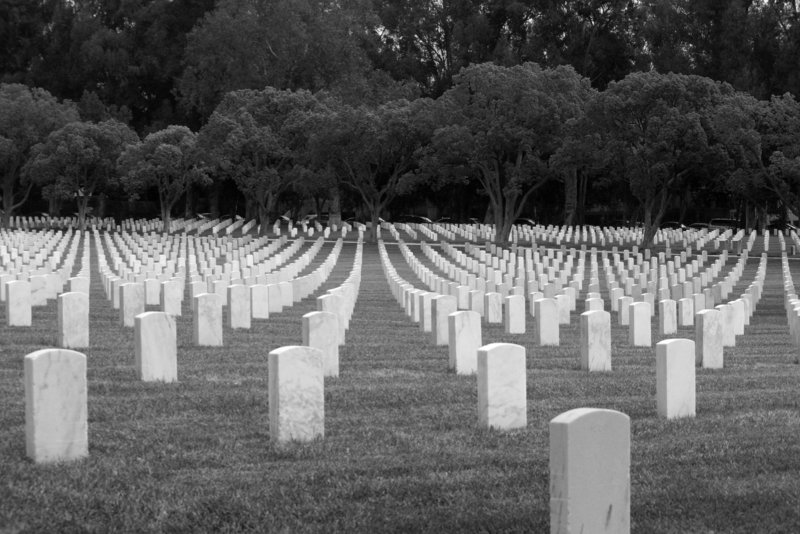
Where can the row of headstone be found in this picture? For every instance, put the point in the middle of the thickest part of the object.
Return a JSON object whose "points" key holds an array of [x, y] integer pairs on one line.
{"points": [[22, 289]]}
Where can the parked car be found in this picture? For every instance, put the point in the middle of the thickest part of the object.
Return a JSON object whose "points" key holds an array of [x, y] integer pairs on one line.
{"points": [[419, 219], [673, 225], [525, 221], [723, 224], [699, 226]]}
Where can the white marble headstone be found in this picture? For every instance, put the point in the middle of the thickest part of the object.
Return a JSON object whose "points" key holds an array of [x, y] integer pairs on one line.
{"points": [[502, 386], [590, 489], [296, 394], [156, 347], [56, 427]]}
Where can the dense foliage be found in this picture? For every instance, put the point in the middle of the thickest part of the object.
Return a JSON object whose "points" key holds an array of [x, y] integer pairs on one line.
{"points": [[567, 111]]}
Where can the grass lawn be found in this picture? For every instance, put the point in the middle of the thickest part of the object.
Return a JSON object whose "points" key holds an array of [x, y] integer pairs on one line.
{"points": [[402, 450]]}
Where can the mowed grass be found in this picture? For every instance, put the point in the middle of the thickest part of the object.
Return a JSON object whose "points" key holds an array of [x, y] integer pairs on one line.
{"points": [[402, 450]]}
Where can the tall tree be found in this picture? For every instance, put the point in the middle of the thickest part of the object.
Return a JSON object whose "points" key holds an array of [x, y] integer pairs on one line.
{"points": [[600, 39], [287, 44], [252, 138], [27, 116], [77, 160], [371, 150], [129, 53], [166, 160], [657, 128], [502, 127]]}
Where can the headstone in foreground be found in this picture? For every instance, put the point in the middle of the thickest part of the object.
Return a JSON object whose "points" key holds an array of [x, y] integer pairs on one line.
{"points": [[590, 489], [296, 394], [56, 427]]}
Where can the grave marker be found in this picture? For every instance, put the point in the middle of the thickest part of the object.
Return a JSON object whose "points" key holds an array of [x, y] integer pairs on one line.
{"points": [[296, 394], [502, 386], [56, 427]]}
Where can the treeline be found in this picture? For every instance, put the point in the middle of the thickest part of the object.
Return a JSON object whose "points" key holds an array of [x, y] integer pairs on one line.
{"points": [[660, 139], [162, 62], [376, 106]]}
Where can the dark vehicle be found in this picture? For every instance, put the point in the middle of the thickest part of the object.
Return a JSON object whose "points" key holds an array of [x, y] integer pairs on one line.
{"points": [[723, 224], [673, 225], [699, 226], [525, 221], [419, 219]]}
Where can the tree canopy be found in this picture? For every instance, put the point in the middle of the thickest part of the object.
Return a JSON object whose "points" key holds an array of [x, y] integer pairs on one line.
{"points": [[27, 116], [502, 126], [77, 160], [166, 160]]}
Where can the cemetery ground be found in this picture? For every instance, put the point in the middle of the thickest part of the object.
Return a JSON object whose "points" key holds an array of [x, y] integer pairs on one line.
{"points": [[402, 450]]}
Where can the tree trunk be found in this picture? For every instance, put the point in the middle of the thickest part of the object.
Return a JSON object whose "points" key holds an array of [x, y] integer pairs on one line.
{"points": [[213, 198], [570, 196], [583, 186], [54, 206], [263, 218], [102, 202], [271, 205], [250, 208], [189, 206], [83, 204], [165, 217], [654, 210], [8, 201], [335, 211], [375, 214], [502, 222]]}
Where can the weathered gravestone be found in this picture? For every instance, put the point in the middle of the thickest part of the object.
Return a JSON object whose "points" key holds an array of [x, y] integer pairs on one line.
{"points": [[73, 320], [675, 378], [238, 306], [639, 331], [708, 339], [56, 427], [465, 339], [502, 386], [156, 347], [321, 331], [18, 303], [590, 489], [207, 320], [296, 394], [546, 320], [596, 340], [441, 307], [131, 302], [514, 315], [171, 296]]}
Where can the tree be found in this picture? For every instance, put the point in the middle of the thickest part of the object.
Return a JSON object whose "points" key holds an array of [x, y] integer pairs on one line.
{"points": [[580, 157], [772, 148], [77, 160], [129, 54], [167, 160], [600, 39], [287, 44], [502, 126], [657, 130], [252, 138], [27, 116], [371, 150]]}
